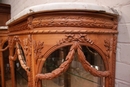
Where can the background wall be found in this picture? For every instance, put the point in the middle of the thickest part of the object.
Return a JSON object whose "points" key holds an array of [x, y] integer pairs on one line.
{"points": [[123, 48]]}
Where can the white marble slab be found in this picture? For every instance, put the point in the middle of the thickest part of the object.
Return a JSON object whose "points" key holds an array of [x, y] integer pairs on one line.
{"points": [[61, 6], [3, 27]]}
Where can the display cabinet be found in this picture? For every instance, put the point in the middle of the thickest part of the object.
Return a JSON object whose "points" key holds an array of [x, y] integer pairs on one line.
{"points": [[5, 78], [63, 45]]}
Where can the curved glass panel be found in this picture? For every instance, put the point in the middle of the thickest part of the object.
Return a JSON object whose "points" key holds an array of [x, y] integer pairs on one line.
{"points": [[20, 73], [75, 76]]}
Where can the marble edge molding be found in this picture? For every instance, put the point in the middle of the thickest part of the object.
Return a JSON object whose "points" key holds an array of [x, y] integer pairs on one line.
{"points": [[61, 6]]}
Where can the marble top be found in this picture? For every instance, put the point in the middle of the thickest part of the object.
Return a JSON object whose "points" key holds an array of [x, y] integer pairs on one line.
{"points": [[3, 27], [61, 6]]}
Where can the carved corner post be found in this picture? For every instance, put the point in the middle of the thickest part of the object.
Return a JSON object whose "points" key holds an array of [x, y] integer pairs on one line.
{"points": [[42, 33], [3, 39], [11, 60]]}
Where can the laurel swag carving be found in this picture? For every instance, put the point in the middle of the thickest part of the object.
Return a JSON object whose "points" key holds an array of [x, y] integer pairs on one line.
{"points": [[18, 53], [64, 66], [21, 59], [87, 65]]}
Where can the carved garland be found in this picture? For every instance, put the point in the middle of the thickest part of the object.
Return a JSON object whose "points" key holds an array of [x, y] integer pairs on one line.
{"points": [[107, 44], [87, 65], [18, 53], [64, 66]]}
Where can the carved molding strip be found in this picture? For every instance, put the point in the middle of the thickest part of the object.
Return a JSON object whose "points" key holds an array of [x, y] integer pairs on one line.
{"points": [[64, 31], [82, 21], [73, 21]]}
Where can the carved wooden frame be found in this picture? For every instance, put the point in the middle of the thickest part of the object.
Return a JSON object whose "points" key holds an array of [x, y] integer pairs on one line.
{"points": [[38, 34]]}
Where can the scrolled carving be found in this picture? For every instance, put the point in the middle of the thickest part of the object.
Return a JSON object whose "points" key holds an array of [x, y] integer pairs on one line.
{"points": [[76, 37]]}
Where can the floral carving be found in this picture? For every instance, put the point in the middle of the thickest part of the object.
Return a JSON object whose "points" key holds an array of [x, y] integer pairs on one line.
{"points": [[38, 46], [27, 45], [76, 37]]}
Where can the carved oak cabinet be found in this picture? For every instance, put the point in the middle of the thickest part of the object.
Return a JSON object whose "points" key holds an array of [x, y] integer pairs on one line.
{"points": [[63, 45]]}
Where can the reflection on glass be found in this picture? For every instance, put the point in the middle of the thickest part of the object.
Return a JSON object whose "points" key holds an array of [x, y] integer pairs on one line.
{"points": [[20, 73], [75, 76]]}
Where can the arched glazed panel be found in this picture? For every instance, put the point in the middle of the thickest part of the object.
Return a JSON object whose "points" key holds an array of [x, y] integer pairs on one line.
{"points": [[20, 73], [75, 72]]}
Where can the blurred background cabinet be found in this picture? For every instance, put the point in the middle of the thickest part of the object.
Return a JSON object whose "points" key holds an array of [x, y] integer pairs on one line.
{"points": [[4, 13], [4, 61]]}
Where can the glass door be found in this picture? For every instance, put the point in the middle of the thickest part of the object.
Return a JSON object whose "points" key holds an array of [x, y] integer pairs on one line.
{"points": [[76, 75]]}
